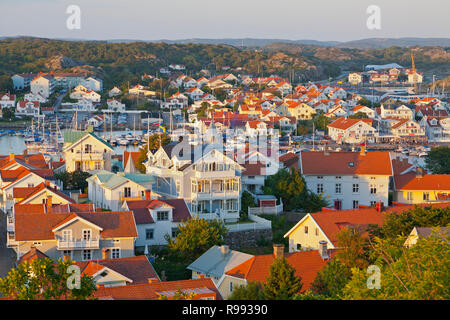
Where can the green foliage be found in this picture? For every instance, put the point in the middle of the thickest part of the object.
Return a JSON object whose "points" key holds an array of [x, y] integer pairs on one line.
{"points": [[42, 279], [195, 236], [8, 114], [438, 160], [358, 115], [75, 180], [421, 272], [330, 281], [247, 200], [282, 283], [252, 291], [396, 224], [179, 295], [154, 142], [321, 122], [353, 248]]}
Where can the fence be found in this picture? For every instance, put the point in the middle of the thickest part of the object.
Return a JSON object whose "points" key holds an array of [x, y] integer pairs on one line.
{"points": [[257, 224]]}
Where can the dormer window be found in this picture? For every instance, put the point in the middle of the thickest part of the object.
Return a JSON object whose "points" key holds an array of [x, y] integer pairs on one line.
{"points": [[162, 215]]}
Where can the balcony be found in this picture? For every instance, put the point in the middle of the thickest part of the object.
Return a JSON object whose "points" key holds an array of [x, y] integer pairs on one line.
{"points": [[10, 223], [10, 239], [94, 155], [215, 195], [74, 244], [215, 174]]}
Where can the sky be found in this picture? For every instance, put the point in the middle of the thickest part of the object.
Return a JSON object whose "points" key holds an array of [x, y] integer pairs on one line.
{"points": [[325, 20]]}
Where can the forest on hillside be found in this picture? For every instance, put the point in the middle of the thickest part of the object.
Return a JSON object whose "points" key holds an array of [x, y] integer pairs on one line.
{"points": [[118, 63]]}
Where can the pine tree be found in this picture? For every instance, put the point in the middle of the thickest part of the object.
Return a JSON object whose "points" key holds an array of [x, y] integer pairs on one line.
{"points": [[282, 283]]}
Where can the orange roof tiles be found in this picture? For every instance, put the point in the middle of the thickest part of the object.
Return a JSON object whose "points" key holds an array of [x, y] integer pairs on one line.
{"points": [[410, 181], [372, 163]]}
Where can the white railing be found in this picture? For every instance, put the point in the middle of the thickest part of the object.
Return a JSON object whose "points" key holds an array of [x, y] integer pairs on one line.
{"points": [[10, 239], [266, 210], [78, 244], [257, 224]]}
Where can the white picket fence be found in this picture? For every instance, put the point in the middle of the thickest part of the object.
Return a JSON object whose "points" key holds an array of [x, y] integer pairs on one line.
{"points": [[266, 210], [257, 224]]}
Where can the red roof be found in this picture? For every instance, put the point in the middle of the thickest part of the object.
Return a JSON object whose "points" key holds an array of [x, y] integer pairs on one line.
{"points": [[344, 123], [152, 291], [411, 181], [306, 264], [140, 209], [372, 163]]}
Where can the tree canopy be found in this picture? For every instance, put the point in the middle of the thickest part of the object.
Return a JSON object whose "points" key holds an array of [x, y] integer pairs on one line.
{"points": [[438, 160], [281, 283]]}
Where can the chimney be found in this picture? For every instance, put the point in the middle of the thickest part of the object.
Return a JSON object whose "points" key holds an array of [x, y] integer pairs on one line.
{"points": [[323, 249], [11, 156], [419, 173], [278, 250], [380, 206], [49, 203], [363, 151], [225, 250], [25, 152], [152, 280], [148, 194], [105, 254]]}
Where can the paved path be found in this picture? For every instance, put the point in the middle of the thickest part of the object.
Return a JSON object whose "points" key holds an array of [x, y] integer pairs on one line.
{"points": [[7, 255]]}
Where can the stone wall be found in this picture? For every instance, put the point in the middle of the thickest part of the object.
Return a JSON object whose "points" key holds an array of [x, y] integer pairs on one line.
{"points": [[247, 238]]}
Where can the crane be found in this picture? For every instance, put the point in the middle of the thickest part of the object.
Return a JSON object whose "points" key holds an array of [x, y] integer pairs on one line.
{"points": [[414, 73]]}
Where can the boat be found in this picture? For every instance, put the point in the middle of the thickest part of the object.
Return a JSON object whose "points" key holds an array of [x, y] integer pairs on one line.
{"points": [[123, 142]]}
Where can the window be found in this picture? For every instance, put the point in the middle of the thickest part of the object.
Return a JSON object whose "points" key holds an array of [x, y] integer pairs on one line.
{"points": [[87, 148], [87, 254], [426, 196], [338, 188], [410, 196], [320, 188], [317, 231], [97, 165], [162, 215], [319, 177], [355, 204], [115, 253], [373, 189], [373, 203], [148, 234], [67, 235], [306, 229], [30, 185], [37, 243], [87, 234], [67, 253], [174, 232], [127, 192], [338, 177], [231, 286], [355, 188], [299, 246]]}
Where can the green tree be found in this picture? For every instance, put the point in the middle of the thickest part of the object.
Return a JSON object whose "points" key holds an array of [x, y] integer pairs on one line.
{"points": [[75, 180], [321, 122], [195, 236], [252, 291], [331, 279], [353, 248], [421, 272], [179, 295], [282, 283], [438, 160], [42, 279], [8, 114], [358, 115], [247, 200], [154, 142]]}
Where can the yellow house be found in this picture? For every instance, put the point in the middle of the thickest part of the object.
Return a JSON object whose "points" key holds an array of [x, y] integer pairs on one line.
{"points": [[325, 225], [415, 188], [83, 150], [301, 111]]}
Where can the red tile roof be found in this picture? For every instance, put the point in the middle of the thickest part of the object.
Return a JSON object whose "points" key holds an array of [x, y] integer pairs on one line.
{"points": [[410, 181], [134, 157], [138, 269], [306, 264], [39, 226], [140, 209], [345, 123], [152, 291], [372, 163]]}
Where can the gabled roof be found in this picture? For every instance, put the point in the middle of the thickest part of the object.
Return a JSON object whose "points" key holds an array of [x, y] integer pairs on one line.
{"points": [[73, 137], [138, 269], [140, 209], [372, 163], [27, 193], [31, 255], [345, 123], [29, 227], [213, 262]]}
